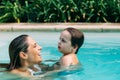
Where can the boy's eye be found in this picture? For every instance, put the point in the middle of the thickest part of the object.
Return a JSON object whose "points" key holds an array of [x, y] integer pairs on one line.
{"points": [[63, 40]]}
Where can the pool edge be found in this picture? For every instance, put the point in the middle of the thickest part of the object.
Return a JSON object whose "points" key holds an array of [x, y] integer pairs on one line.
{"points": [[86, 27]]}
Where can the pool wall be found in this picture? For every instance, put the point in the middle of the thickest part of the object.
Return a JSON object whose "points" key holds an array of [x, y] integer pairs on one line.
{"points": [[86, 27]]}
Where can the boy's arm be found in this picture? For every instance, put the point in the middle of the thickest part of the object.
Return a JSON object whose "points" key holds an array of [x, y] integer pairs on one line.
{"points": [[56, 66]]}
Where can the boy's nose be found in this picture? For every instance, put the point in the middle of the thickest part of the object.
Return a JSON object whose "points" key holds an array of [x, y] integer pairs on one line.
{"points": [[58, 42]]}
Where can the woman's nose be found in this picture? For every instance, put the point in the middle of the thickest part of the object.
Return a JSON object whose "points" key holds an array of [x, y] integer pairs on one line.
{"points": [[39, 47]]}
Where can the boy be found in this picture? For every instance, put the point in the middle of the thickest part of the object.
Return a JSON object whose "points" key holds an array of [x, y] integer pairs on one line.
{"points": [[70, 41]]}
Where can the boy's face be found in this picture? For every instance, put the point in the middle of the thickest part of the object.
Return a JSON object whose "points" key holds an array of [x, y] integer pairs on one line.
{"points": [[64, 44]]}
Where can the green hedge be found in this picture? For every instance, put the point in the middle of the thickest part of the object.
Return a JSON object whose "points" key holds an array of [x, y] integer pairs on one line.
{"points": [[59, 11]]}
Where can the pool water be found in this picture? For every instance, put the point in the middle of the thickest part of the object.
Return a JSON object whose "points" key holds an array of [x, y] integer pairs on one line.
{"points": [[99, 55]]}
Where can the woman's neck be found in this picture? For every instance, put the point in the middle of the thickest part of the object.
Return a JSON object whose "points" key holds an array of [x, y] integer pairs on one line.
{"points": [[23, 69]]}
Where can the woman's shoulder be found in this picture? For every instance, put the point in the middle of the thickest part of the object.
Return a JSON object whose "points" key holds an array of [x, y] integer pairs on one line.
{"points": [[14, 71]]}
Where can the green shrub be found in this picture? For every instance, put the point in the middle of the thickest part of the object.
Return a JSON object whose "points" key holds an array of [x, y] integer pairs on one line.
{"points": [[59, 11]]}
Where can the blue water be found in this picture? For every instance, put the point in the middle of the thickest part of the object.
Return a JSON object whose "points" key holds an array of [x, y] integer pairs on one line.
{"points": [[100, 55]]}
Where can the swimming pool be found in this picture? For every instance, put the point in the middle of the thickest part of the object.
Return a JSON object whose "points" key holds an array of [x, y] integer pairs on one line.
{"points": [[100, 55]]}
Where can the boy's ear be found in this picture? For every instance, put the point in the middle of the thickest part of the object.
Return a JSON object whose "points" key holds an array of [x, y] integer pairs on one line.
{"points": [[76, 46], [23, 55]]}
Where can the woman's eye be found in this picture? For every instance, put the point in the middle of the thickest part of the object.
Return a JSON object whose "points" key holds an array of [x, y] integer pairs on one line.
{"points": [[35, 45]]}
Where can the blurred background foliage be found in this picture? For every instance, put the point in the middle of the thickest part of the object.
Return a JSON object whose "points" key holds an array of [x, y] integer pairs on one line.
{"points": [[59, 11]]}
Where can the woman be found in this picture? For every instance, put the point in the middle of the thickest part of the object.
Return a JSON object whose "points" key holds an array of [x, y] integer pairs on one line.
{"points": [[24, 52]]}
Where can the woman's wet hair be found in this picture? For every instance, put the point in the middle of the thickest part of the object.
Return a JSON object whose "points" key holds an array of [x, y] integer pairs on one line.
{"points": [[16, 46], [77, 37]]}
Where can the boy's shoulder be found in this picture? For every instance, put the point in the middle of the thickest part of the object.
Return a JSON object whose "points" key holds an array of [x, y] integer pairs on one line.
{"points": [[66, 57]]}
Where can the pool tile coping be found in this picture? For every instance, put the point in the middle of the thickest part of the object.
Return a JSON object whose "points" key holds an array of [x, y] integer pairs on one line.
{"points": [[86, 27]]}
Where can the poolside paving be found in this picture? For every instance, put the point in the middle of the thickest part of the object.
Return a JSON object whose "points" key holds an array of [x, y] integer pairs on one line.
{"points": [[87, 27]]}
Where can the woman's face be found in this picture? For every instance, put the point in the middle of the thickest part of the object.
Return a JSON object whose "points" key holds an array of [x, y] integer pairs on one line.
{"points": [[64, 44], [33, 51]]}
